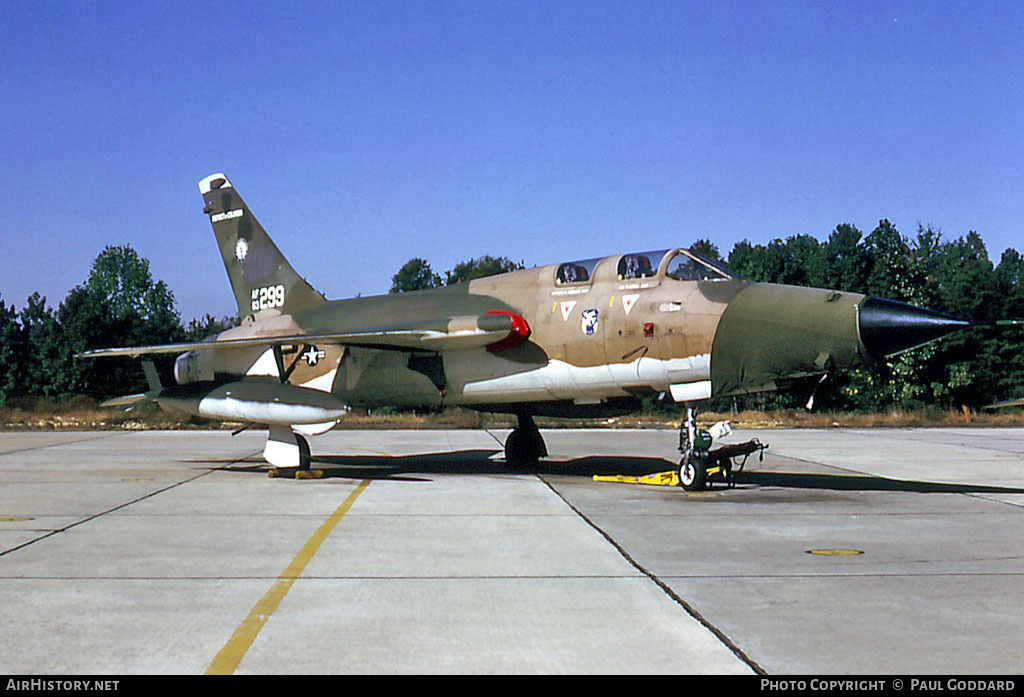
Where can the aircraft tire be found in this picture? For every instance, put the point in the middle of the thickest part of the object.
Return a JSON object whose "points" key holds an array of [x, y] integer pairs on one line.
{"points": [[693, 473], [304, 457], [520, 451]]}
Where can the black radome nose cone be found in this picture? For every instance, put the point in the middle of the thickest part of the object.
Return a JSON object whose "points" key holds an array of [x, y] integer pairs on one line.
{"points": [[888, 326]]}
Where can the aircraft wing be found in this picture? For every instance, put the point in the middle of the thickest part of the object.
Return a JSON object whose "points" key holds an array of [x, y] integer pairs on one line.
{"points": [[495, 330]]}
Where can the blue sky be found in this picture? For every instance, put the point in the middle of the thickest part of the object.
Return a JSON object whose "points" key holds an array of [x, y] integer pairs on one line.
{"points": [[364, 134]]}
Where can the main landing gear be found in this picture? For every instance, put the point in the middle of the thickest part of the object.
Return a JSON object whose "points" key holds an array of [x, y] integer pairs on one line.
{"points": [[700, 466], [524, 446], [288, 453]]}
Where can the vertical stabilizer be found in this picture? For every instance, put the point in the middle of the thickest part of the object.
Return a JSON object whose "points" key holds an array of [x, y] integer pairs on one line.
{"points": [[261, 278]]}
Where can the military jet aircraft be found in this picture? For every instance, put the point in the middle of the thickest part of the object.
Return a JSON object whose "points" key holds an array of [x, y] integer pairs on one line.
{"points": [[581, 338]]}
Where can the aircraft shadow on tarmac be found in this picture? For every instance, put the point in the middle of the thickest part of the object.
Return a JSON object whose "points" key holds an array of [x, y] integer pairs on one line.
{"points": [[419, 467], [854, 482]]}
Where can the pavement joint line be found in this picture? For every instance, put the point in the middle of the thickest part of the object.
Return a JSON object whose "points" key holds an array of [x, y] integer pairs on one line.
{"points": [[804, 460], [468, 577], [979, 495], [496, 440], [739, 515], [534, 577], [826, 465], [227, 659], [94, 516], [957, 441], [363, 515], [67, 442], [985, 497], [690, 610]]}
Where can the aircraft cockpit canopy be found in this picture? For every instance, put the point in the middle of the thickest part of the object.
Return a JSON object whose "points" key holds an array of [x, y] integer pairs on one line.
{"points": [[639, 264], [683, 265], [576, 271], [687, 266]]}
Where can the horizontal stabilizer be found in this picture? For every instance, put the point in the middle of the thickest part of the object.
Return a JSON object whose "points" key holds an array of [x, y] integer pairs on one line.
{"points": [[1005, 404], [128, 400]]}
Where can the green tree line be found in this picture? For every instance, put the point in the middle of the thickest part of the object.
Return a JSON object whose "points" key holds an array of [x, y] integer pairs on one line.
{"points": [[121, 304], [416, 273], [971, 368]]}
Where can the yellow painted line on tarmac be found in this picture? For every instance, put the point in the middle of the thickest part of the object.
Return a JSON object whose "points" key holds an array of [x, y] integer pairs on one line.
{"points": [[231, 655], [670, 478], [656, 479]]}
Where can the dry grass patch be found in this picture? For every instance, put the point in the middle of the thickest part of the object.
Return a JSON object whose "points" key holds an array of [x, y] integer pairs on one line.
{"points": [[84, 413]]}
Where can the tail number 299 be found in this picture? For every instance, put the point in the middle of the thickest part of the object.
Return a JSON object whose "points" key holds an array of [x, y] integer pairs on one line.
{"points": [[267, 297]]}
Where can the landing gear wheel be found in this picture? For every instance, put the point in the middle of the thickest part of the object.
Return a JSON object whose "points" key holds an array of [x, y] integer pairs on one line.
{"points": [[304, 457], [304, 471], [520, 450], [524, 445], [693, 474]]}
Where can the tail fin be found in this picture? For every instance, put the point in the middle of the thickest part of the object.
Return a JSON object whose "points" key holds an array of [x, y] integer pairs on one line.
{"points": [[261, 278]]}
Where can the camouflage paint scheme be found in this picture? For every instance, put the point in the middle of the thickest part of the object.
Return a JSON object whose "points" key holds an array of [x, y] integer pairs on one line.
{"points": [[727, 331], [577, 338]]}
